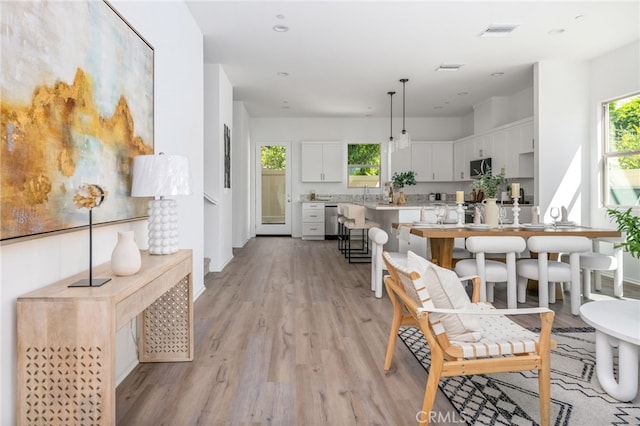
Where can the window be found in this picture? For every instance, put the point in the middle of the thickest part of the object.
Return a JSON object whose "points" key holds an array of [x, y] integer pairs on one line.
{"points": [[621, 154], [363, 165]]}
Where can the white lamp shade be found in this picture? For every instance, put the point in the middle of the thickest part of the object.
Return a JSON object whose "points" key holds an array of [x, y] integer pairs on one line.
{"points": [[160, 175], [404, 141]]}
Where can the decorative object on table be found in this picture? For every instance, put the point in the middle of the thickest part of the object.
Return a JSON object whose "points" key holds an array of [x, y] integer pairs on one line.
{"points": [[535, 213], [404, 141], [515, 194], [460, 208], [477, 216], [399, 180], [125, 258], [489, 185], [69, 111], [629, 226], [160, 176], [89, 196]]}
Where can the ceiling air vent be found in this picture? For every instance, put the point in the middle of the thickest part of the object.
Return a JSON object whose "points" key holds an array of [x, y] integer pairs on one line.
{"points": [[499, 30], [449, 67]]}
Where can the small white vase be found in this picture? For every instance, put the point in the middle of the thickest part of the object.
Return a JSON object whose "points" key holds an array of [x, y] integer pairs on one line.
{"points": [[491, 212], [125, 258]]}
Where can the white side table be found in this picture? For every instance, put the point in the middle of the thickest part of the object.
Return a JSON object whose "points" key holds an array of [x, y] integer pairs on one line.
{"points": [[617, 323]]}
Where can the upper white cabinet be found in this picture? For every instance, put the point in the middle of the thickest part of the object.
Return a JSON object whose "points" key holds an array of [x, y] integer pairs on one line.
{"points": [[321, 161], [432, 161], [510, 147]]}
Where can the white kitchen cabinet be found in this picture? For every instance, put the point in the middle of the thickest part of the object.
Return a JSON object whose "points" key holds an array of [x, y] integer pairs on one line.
{"points": [[432, 161], [313, 221], [321, 162], [462, 155], [520, 150]]}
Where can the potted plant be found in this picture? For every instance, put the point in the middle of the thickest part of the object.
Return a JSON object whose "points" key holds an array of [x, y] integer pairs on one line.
{"points": [[487, 185], [399, 180], [629, 225]]}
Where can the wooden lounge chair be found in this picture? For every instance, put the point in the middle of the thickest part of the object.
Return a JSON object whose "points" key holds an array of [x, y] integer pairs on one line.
{"points": [[466, 337]]}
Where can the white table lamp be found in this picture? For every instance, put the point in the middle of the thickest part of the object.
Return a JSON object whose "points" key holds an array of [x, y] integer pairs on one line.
{"points": [[161, 176]]}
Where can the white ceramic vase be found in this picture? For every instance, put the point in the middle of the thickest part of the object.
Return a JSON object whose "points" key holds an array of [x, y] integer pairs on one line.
{"points": [[491, 212], [125, 258]]}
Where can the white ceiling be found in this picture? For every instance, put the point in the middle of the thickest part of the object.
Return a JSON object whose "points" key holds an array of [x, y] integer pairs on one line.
{"points": [[343, 57]]}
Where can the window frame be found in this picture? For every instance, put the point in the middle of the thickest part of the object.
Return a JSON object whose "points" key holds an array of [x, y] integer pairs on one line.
{"points": [[378, 166], [609, 154]]}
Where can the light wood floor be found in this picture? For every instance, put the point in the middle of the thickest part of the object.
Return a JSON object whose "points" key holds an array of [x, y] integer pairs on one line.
{"points": [[291, 334]]}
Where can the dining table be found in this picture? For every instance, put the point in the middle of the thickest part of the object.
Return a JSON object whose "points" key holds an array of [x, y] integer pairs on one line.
{"points": [[442, 237]]}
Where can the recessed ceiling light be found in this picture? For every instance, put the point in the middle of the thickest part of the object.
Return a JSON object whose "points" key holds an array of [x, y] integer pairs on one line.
{"points": [[280, 16], [463, 93], [283, 74], [496, 74], [285, 102], [286, 107], [449, 67], [556, 31], [578, 17], [438, 107], [280, 28], [498, 30]]}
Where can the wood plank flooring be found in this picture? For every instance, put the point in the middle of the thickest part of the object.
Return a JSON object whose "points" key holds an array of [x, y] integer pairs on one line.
{"points": [[291, 334]]}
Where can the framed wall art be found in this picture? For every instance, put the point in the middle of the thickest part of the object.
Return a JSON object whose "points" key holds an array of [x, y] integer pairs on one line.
{"points": [[76, 97], [227, 157]]}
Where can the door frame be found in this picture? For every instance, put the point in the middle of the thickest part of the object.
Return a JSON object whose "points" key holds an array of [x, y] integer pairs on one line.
{"points": [[273, 229]]}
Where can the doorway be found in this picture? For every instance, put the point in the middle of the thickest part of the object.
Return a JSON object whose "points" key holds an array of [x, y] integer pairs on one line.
{"points": [[273, 193]]}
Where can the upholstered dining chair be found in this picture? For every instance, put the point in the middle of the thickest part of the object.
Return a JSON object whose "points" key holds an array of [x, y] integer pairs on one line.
{"points": [[465, 337], [598, 261], [379, 238], [493, 271], [549, 272]]}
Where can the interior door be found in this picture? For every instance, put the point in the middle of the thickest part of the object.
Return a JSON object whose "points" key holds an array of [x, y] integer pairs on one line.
{"points": [[273, 188]]}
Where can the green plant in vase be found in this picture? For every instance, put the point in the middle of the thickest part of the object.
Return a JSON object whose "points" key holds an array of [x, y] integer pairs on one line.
{"points": [[489, 184], [399, 180]]}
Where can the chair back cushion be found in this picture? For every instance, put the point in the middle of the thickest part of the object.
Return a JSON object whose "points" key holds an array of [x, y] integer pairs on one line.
{"points": [[559, 244], [496, 244], [444, 290]]}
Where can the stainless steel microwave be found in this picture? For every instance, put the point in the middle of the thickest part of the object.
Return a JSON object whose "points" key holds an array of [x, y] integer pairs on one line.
{"points": [[476, 167]]}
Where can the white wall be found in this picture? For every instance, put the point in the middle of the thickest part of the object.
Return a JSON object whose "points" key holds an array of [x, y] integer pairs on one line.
{"points": [[562, 122], [178, 117], [218, 219], [613, 75], [240, 170]]}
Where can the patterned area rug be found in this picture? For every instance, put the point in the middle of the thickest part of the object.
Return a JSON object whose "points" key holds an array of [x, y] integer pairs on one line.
{"points": [[512, 398]]}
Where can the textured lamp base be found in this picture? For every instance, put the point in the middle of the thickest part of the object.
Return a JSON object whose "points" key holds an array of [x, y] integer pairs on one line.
{"points": [[163, 226]]}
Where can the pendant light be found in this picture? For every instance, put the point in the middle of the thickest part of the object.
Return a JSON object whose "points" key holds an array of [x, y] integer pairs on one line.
{"points": [[392, 143], [405, 139]]}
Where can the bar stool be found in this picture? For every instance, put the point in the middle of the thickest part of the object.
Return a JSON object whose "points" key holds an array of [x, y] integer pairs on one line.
{"points": [[356, 221]]}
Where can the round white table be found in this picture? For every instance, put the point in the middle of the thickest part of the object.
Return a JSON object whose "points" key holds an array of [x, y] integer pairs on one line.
{"points": [[617, 323]]}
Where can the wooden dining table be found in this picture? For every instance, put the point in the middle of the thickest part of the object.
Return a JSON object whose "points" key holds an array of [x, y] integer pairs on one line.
{"points": [[441, 237]]}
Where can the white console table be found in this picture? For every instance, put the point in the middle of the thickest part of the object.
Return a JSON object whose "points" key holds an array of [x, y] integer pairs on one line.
{"points": [[617, 324], [67, 338]]}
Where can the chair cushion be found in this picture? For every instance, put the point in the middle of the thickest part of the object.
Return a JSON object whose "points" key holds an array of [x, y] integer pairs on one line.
{"points": [[598, 261], [496, 272], [557, 271], [443, 289]]}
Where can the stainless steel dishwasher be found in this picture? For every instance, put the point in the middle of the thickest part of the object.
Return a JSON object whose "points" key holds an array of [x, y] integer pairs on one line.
{"points": [[330, 220]]}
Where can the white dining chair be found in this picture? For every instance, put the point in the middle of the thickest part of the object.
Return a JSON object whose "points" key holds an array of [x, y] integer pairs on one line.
{"points": [[378, 239], [597, 262], [548, 272], [493, 271]]}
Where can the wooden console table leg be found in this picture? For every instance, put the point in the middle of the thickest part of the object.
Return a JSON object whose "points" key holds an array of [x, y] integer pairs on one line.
{"points": [[165, 328]]}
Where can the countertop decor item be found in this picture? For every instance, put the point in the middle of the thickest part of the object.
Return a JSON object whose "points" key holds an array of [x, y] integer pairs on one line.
{"points": [[399, 180], [629, 225], [159, 176], [489, 184], [89, 196], [125, 258]]}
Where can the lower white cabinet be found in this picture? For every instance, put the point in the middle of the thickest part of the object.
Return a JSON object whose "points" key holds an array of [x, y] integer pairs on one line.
{"points": [[313, 221]]}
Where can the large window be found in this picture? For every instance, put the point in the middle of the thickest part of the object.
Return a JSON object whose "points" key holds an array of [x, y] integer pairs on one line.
{"points": [[363, 164], [621, 119]]}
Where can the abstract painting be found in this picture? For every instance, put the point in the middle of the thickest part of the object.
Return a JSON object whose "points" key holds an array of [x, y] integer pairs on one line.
{"points": [[227, 157], [76, 98]]}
